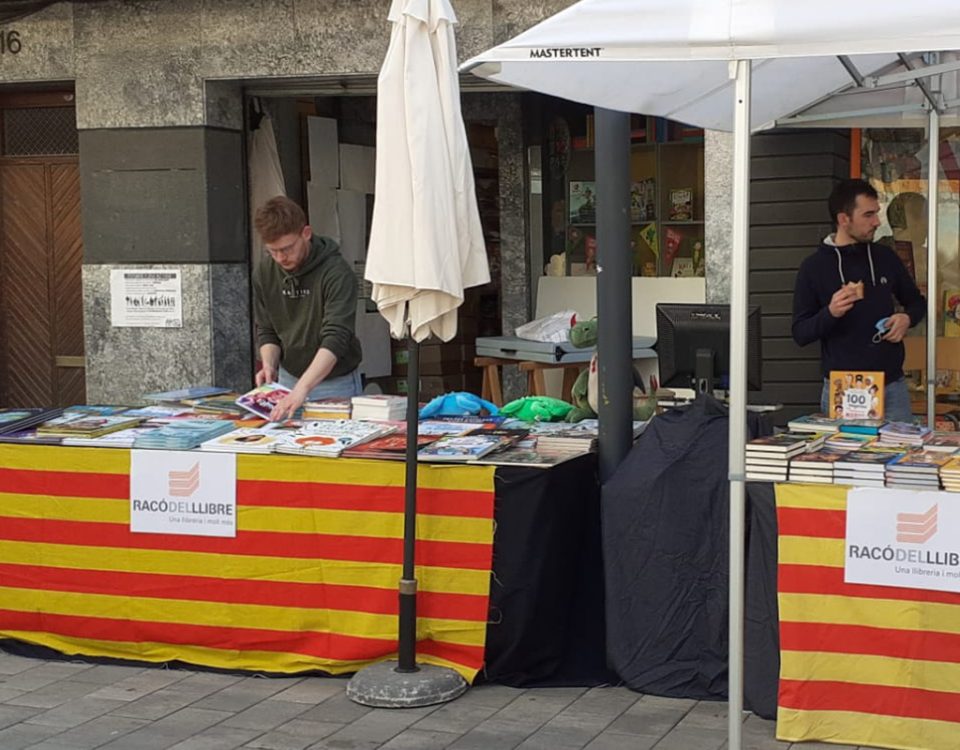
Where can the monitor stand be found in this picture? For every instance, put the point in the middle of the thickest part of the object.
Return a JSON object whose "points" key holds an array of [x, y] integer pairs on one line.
{"points": [[703, 372]]}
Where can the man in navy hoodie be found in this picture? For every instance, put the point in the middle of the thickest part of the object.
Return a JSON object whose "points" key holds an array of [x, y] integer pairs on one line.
{"points": [[828, 308]]}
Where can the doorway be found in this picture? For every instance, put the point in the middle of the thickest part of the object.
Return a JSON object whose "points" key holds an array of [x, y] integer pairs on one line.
{"points": [[41, 252]]}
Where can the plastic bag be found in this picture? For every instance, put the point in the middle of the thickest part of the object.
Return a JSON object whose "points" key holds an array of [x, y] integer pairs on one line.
{"points": [[554, 328]]}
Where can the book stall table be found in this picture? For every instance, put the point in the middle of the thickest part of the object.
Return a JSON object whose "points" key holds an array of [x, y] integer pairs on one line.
{"points": [[860, 664], [309, 582]]}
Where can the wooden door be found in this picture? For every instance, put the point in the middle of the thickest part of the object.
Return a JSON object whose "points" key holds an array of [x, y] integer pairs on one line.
{"points": [[41, 254]]}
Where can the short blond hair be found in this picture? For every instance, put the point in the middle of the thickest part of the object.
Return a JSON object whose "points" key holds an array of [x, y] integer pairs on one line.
{"points": [[279, 217]]}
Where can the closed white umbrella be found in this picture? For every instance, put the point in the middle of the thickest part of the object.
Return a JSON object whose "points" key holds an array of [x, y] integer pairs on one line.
{"points": [[426, 246], [426, 242], [729, 65]]}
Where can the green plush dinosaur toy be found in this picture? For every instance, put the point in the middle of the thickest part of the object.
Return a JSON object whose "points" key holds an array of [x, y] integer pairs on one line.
{"points": [[536, 409], [585, 392]]}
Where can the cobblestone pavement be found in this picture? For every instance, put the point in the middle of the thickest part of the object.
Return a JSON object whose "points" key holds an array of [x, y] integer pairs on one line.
{"points": [[60, 705]]}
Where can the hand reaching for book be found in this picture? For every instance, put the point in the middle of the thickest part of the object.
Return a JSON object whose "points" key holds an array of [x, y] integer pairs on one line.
{"points": [[266, 374], [287, 406]]}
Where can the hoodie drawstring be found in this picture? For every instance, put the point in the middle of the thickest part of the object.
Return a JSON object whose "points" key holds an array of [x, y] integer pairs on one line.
{"points": [[843, 280]]}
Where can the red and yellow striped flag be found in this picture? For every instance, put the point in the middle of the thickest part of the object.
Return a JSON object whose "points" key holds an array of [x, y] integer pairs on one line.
{"points": [[859, 664], [309, 582]]}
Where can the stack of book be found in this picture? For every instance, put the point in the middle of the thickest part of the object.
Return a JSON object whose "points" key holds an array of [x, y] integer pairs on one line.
{"points": [[865, 467], [16, 420], [121, 439], [86, 425], [848, 441], [950, 474], [245, 440], [814, 467], [768, 458], [224, 406], [917, 470], [379, 407], [813, 423], [389, 447], [862, 426], [570, 440], [945, 442], [327, 408], [183, 434], [462, 448], [520, 456], [904, 433], [184, 394], [330, 437]]}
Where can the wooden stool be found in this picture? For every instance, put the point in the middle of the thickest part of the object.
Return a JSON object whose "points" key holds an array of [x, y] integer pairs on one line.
{"points": [[491, 389], [536, 385]]}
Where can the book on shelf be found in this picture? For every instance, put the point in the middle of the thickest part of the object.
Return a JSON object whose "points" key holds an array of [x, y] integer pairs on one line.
{"points": [[262, 399], [681, 204], [643, 200], [582, 205]]}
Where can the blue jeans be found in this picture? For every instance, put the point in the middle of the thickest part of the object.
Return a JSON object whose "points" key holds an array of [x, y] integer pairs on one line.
{"points": [[896, 401], [343, 386]]}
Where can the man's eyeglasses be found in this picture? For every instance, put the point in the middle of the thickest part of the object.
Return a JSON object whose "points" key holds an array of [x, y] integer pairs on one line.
{"points": [[277, 251]]}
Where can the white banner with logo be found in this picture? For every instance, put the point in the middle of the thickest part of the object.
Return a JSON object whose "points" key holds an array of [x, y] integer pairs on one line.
{"points": [[183, 492], [903, 538]]}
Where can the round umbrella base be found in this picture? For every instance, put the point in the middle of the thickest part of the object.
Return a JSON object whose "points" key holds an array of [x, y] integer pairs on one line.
{"points": [[382, 686]]}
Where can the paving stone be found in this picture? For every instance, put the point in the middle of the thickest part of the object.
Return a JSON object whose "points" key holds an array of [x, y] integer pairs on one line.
{"points": [[687, 739], [217, 738], [13, 664], [52, 695], [10, 715], [610, 702], [338, 709], [295, 735], [8, 693], [706, 715], [455, 717], [567, 731], [267, 714], [653, 717], [483, 738], [420, 739], [41, 676], [97, 732], [379, 725], [242, 695], [140, 684], [614, 741], [760, 734], [170, 730], [108, 674], [176, 697], [74, 712], [534, 707], [19, 736], [312, 690], [494, 696]]}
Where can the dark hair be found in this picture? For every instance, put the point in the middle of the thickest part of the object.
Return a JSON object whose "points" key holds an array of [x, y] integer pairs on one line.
{"points": [[278, 217], [843, 198]]}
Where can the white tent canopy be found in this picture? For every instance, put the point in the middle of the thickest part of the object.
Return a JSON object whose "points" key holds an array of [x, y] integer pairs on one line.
{"points": [[738, 65]]}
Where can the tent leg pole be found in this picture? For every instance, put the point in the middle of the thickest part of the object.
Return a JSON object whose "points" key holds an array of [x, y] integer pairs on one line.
{"points": [[738, 390], [614, 289], [933, 199]]}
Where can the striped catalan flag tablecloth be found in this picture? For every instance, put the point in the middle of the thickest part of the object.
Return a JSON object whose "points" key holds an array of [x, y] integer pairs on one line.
{"points": [[860, 665], [308, 583]]}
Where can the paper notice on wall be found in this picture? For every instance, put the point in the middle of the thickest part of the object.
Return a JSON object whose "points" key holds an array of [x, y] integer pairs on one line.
{"points": [[324, 151], [322, 210], [146, 298], [357, 167]]}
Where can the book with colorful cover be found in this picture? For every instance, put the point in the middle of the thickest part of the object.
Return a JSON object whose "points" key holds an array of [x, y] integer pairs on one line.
{"points": [[524, 457], [245, 440], [388, 447], [919, 462], [262, 399], [951, 312], [871, 458], [29, 436], [460, 448], [862, 426], [782, 443], [681, 204], [330, 437], [856, 394], [946, 442], [120, 439], [583, 202], [813, 423], [89, 425], [16, 420]]}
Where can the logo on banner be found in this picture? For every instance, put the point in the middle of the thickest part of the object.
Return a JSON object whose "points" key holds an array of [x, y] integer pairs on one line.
{"points": [[179, 492], [917, 528], [184, 483], [903, 538]]}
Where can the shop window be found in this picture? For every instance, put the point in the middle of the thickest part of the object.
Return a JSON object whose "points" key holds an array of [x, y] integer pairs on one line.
{"points": [[666, 195]]}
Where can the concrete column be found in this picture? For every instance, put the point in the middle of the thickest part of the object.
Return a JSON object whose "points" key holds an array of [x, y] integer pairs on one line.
{"points": [[718, 213]]}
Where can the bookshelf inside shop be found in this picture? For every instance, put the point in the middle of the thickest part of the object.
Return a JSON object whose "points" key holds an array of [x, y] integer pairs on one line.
{"points": [[666, 198]]}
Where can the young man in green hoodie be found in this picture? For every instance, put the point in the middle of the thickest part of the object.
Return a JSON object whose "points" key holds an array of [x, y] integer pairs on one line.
{"points": [[305, 306]]}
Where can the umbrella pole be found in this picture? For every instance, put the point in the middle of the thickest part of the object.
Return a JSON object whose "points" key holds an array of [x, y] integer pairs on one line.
{"points": [[404, 683], [407, 652]]}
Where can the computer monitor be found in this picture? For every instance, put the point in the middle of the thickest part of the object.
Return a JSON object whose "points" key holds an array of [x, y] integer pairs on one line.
{"points": [[693, 346]]}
